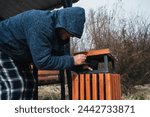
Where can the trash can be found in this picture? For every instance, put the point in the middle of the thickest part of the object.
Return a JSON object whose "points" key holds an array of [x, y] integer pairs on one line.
{"points": [[96, 79]]}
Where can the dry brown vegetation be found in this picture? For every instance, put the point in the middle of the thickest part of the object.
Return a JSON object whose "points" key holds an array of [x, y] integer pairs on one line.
{"points": [[128, 39]]}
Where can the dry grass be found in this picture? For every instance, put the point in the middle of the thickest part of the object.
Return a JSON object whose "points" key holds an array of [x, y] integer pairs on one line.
{"points": [[50, 92], [140, 92]]}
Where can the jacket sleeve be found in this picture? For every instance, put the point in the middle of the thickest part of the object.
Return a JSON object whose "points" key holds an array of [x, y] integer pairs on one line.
{"points": [[39, 42]]}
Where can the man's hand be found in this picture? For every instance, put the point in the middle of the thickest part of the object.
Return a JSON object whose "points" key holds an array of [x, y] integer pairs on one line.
{"points": [[79, 59]]}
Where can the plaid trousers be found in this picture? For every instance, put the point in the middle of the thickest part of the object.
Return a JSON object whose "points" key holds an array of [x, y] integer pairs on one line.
{"points": [[16, 83]]}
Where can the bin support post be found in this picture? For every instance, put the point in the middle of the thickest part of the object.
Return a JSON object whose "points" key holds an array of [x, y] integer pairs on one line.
{"points": [[62, 79], [69, 82], [105, 63]]}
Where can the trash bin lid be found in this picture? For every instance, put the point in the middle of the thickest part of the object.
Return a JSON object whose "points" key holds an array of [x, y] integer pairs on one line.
{"points": [[98, 54]]}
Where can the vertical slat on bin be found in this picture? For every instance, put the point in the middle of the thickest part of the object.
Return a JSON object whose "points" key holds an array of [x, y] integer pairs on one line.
{"points": [[114, 86], [94, 86], [82, 87], [101, 86], [87, 84], [119, 87], [75, 87], [108, 87], [116, 82]]}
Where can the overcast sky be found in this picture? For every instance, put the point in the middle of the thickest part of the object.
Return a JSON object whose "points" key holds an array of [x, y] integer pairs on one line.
{"points": [[129, 6]]}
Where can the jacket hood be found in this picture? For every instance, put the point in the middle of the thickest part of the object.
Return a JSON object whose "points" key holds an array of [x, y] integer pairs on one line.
{"points": [[72, 19]]}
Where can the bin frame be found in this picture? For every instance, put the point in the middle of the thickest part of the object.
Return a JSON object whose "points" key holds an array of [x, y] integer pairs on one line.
{"points": [[104, 84]]}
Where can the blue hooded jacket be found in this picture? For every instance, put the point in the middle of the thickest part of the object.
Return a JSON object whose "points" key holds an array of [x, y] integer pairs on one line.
{"points": [[31, 35]]}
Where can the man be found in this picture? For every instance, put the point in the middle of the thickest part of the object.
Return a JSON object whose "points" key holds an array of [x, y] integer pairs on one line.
{"points": [[36, 36]]}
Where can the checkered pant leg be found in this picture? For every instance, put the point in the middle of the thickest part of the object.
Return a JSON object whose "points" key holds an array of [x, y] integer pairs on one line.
{"points": [[15, 83]]}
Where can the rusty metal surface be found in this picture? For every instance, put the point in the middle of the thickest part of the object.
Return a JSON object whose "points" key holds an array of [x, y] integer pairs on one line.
{"points": [[10, 8]]}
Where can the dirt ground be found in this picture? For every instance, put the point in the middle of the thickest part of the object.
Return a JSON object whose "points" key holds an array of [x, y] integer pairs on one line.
{"points": [[52, 92]]}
